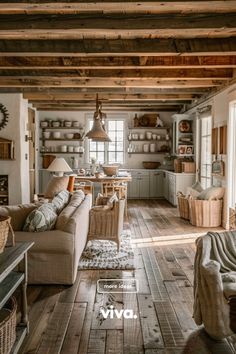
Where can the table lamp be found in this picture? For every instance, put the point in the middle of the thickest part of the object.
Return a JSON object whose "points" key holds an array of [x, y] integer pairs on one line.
{"points": [[59, 165]]}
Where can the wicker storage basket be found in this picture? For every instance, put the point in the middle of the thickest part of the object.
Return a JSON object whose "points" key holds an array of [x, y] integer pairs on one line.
{"points": [[205, 213], [8, 327], [183, 207], [188, 167], [5, 227]]}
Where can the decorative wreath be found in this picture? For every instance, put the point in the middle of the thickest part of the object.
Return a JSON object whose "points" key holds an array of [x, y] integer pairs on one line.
{"points": [[5, 116]]}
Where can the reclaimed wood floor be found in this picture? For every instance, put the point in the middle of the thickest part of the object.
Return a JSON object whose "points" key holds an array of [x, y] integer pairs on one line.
{"points": [[65, 319]]}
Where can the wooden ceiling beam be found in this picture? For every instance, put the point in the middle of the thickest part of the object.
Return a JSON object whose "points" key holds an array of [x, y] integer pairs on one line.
{"points": [[151, 62], [107, 104], [172, 108], [150, 7], [38, 96], [119, 47], [165, 74], [203, 24], [40, 81], [106, 90], [142, 74]]}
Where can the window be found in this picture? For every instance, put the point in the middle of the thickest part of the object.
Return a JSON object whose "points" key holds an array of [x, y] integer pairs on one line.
{"points": [[206, 161], [232, 156], [113, 151]]}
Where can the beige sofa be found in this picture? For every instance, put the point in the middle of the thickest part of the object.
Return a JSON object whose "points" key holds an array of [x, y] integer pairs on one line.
{"points": [[55, 255]]}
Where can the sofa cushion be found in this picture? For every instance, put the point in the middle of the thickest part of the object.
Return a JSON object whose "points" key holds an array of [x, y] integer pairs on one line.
{"points": [[56, 185], [18, 214], [75, 201], [61, 200], [41, 219], [212, 193]]}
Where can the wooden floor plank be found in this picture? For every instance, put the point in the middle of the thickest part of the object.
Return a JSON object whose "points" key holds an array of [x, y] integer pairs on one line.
{"points": [[97, 342], [133, 342], [114, 342], [53, 337], [74, 330], [152, 338]]}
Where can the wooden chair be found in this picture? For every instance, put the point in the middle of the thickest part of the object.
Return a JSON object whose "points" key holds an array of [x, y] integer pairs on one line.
{"points": [[107, 224], [120, 188], [86, 186]]}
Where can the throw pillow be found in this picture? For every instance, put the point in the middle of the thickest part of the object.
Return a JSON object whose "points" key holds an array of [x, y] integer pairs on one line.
{"points": [[56, 185], [112, 200], [197, 187], [75, 201], [18, 214], [61, 200], [101, 200], [41, 219], [193, 193], [212, 193]]}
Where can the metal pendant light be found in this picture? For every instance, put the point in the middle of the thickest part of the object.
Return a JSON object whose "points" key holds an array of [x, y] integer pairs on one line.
{"points": [[98, 133]]}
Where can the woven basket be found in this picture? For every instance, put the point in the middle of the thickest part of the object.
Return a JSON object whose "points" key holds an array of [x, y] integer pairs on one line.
{"points": [[205, 213], [8, 328], [183, 207], [5, 227]]}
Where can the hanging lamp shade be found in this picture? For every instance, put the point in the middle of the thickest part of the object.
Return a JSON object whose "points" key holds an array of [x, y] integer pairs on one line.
{"points": [[98, 133]]}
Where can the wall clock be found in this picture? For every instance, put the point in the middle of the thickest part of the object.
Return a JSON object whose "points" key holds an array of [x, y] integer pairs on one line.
{"points": [[4, 115]]}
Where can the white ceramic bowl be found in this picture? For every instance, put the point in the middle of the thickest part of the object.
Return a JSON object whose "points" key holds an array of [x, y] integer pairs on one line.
{"points": [[56, 124], [70, 148], [67, 124], [46, 135], [75, 124], [56, 135], [69, 135], [44, 124], [63, 148]]}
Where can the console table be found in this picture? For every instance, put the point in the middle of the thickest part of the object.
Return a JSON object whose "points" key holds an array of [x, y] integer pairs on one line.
{"points": [[10, 280]]}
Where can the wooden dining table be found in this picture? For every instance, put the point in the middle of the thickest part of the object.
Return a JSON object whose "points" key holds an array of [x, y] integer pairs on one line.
{"points": [[103, 179]]}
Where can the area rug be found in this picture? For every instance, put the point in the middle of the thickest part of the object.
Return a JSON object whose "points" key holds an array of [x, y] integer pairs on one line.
{"points": [[100, 254]]}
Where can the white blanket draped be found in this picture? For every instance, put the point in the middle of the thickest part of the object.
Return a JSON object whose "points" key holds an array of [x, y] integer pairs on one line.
{"points": [[215, 260]]}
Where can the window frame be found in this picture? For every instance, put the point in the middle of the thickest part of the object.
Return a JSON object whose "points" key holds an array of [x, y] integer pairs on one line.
{"points": [[208, 137], [106, 144]]}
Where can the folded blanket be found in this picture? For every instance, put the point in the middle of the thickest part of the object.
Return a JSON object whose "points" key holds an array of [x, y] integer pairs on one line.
{"points": [[215, 257]]}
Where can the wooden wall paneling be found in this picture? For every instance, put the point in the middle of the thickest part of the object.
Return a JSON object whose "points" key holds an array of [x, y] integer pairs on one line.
{"points": [[214, 141], [223, 140]]}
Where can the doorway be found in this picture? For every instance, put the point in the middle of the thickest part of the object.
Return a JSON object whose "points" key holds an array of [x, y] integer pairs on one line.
{"points": [[31, 134]]}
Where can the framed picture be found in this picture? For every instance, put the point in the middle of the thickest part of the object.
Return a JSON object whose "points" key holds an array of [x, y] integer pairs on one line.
{"points": [[218, 168], [189, 150], [182, 149]]}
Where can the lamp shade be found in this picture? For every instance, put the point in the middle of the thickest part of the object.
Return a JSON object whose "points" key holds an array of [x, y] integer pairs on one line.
{"points": [[59, 165], [97, 133]]}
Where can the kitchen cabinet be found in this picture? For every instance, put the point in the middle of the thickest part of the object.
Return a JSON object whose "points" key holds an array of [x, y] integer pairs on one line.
{"points": [[140, 186], [156, 184], [165, 185], [177, 182]]}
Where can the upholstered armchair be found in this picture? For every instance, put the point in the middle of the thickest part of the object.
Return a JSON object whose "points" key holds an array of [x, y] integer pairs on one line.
{"points": [[106, 223], [215, 283]]}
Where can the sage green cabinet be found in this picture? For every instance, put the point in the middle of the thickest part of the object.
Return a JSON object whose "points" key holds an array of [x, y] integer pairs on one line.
{"points": [[139, 187], [156, 184]]}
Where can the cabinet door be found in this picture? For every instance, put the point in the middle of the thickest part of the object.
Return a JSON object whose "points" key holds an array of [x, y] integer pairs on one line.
{"points": [[156, 184], [165, 186], [144, 190], [133, 187], [172, 190]]}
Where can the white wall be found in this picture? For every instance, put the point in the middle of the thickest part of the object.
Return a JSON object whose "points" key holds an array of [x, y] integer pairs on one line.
{"points": [[18, 169], [135, 161]]}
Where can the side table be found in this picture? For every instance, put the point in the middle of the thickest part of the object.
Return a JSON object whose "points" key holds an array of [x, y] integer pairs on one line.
{"points": [[10, 280]]}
